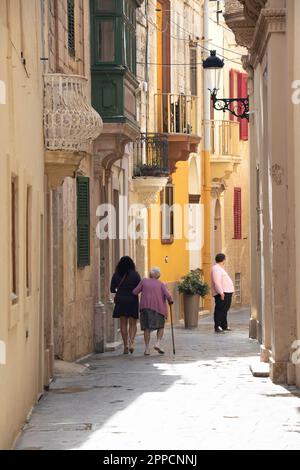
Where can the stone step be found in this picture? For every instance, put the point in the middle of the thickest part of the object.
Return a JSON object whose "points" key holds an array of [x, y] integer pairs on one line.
{"points": [[260, 369]]}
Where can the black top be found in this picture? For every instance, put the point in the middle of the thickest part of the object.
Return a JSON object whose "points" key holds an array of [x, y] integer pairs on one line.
{"points": [[127, 304]]}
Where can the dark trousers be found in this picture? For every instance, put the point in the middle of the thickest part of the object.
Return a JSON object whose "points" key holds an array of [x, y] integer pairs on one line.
{"points": [[221, 310]]}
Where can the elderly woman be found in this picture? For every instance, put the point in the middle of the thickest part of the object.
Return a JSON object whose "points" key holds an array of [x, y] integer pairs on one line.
{"points": [[153, 310]]}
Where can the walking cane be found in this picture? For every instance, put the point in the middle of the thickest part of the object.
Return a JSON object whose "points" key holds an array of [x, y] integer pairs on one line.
{"points": [[171, 315]]}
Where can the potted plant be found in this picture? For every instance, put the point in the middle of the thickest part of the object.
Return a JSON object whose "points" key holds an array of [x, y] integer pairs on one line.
{"points": [[151, 170], [192, 286]]}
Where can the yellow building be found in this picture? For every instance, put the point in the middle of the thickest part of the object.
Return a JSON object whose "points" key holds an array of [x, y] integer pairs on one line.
{"points": [[46, 289], [22, 213]]}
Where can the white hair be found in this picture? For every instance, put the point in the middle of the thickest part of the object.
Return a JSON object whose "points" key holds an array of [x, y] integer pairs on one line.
{"points": [[155, 273]]}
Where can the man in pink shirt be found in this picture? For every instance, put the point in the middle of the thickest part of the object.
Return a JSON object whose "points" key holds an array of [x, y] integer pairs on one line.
{"points": [[222, 289]]}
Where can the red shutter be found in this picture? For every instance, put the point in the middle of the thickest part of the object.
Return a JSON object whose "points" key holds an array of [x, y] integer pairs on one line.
{"points": [[243, 93], [232, 75], [237, 213]]}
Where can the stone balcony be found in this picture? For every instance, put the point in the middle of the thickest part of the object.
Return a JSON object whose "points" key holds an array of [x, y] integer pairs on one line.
{"points": [[70, 125], [176, 116], [151, 166], [224, 148]]}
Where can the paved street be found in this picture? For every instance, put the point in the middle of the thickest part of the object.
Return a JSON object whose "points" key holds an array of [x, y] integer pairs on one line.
{"points": [[203, 398]]}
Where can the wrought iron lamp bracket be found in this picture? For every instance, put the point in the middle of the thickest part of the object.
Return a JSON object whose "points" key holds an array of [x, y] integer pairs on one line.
{"points": [[239, 107]]}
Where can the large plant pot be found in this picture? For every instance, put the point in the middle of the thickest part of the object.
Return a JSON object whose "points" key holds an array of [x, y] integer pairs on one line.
{"points": [[191, 310]]}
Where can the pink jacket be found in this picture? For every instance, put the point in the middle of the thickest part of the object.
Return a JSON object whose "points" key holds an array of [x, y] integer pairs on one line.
{"points": [[154, 295], [220, 281]]}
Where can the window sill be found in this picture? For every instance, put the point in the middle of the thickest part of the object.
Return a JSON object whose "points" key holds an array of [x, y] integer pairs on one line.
{"points": [[167, 241]]}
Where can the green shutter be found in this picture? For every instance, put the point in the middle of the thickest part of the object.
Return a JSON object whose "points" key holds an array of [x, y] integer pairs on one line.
{"points": [[83, 221]]}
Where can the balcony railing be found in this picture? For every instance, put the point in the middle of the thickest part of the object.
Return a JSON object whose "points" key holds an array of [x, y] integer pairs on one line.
{"points": [[70, 122], [176, 113], [225, 138], [151, 155]]}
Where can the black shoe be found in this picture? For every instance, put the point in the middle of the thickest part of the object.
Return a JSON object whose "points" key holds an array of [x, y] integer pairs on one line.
{"points": [[219, 330]]}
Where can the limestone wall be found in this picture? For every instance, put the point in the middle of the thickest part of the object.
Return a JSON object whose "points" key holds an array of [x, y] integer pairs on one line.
{"points": [[22, 158]]}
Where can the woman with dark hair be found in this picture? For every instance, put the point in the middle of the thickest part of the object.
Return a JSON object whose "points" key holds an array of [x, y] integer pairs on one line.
{"points": [[125, 279]]}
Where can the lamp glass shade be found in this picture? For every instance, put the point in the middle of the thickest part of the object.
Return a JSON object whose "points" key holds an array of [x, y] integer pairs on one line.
{"points": [[213, 66], [214, 78]]}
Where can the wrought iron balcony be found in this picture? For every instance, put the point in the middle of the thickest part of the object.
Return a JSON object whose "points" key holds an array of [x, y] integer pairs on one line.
{"points": [[151, 167], [151, 155], [224, 139], [176, 113], [70, 122]]}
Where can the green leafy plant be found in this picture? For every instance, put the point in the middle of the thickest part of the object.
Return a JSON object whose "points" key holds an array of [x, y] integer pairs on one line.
{"points": [[193, 284], [151, 170]]}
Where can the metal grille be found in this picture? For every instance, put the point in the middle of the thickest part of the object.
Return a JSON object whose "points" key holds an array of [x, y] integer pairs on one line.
{"points": [[237, 288], [151, 155], [71, 27], [83, 221]]}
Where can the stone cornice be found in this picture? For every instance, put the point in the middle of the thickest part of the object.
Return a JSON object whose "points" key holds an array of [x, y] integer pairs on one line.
{"points": [[270, 21]]}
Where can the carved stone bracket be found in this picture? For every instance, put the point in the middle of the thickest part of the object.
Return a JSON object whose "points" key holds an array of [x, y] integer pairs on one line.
{"points": [[110, 147], [180, 150], [218, 186], [59, 165], [148, 189], [252, 24], [252, 9], [235, 19]]}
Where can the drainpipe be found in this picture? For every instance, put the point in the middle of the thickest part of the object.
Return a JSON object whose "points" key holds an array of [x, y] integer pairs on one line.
{"points": [[206, 190]]}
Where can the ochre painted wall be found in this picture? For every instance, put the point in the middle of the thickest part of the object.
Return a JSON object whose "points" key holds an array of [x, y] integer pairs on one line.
{"points": [[21, 156], [178, 255]]}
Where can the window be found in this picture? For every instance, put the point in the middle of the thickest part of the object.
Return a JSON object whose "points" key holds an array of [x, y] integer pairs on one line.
{"points": [[129, 37], [71, 27], [28, 238], [193, 71], [14, 240], [239, 89], [83, 221], [114, 32], [237, 288], [237, 213], [167, 200], [105, 5], [106, 40]]}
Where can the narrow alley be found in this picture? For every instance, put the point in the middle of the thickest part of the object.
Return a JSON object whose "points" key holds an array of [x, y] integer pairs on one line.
{"points": [[203, 398]]}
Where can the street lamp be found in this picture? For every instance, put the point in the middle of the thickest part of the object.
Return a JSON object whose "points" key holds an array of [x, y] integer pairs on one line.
{"points": [[239, 107]]}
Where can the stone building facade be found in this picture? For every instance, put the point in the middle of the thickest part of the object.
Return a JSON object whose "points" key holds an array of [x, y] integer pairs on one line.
{"points": [[70, 126], [47, 126], [22, 216], [270, 31], [229, 157]]}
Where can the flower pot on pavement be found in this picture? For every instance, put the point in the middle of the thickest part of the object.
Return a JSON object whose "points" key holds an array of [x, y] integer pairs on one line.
{"points": [[192, 286], [191, 310]]}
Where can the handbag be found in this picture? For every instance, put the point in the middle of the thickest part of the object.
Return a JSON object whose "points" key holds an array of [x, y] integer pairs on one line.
{"points": [[119, 285]]}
